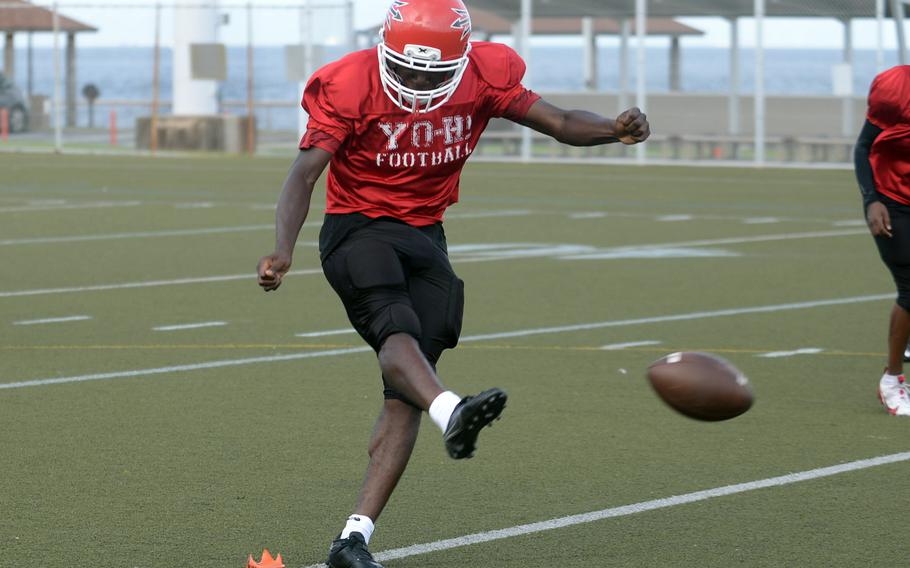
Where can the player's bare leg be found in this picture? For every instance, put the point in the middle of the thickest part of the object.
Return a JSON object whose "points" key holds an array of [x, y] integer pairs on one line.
{"points": [[390, 449], [406, 370]]}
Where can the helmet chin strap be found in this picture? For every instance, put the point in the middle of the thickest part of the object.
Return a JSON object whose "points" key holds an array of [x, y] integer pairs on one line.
{"points": [[409, 99]]}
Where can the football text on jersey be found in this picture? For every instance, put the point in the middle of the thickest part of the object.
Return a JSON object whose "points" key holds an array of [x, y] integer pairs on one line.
{"points": [[421, 143]]}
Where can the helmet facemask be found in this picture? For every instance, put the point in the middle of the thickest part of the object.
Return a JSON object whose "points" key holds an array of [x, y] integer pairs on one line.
{"points": [[424, 59]]}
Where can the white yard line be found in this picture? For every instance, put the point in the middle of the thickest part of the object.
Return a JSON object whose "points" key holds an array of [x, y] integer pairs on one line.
{"points": [[641, 507], [754, 239], [147, 284], [181, 368], [589, 215], [52, 320], [680, 317], [469, 338], [184, 326], [71, 206], [618, 346], [486, 214], [517, 255], [216, 230], [325, 333], [803, 351], [137, 235]]}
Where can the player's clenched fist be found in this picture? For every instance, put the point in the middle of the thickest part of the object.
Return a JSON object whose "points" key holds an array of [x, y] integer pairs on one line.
{"points": [[632, 126], [272, 269]]}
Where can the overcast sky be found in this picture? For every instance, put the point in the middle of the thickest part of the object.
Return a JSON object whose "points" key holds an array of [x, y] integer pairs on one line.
{"points": [[120, 26]]}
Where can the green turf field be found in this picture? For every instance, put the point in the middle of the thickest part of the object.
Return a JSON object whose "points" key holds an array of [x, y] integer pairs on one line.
{"points": [[124, 445]]}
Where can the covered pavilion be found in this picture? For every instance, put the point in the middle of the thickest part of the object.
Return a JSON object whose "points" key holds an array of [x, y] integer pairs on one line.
{"points": [[486, 24], [522, 13], [19, 16]]}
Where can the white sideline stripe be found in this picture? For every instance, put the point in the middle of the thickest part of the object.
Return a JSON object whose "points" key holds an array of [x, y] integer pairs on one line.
{"points": [[850, 223], [642, 507], [98, 205], [803, 351], [681, 317], [324, 333], [144, 234], [617, 346], [52, 320], [730, 240], [753, 239], [507, 334], [485, 214], [182, 368], [181, 327], [149, 284]]}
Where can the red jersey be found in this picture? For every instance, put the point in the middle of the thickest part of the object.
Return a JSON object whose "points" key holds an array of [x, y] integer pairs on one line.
{"points": [[388, 162], [889, 109]]}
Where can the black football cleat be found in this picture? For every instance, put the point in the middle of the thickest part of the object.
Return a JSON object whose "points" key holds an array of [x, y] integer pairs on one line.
{"points": [[351, 552], [472, 414]]}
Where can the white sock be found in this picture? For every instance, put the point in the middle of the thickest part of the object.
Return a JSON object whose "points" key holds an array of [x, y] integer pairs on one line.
{"points": [[442, 407], [891, 378], [361, 524]]}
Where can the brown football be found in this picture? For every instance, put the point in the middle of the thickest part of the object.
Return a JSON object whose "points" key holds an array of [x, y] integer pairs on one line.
{"points": [[701, 385]]}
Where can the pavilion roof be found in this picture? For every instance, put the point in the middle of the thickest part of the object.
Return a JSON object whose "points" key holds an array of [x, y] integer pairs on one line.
{"points": [[22, 16]]}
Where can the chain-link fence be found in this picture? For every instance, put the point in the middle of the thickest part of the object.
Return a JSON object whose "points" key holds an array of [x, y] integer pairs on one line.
{"points": [[750, 80], [93, 76], [754, 80]]}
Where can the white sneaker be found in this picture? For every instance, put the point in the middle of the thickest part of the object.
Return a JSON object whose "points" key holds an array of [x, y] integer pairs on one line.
{"points": [[894, 395]]}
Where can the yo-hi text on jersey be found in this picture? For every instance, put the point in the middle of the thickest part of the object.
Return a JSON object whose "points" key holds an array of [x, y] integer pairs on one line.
{"points": [[423, 144]]}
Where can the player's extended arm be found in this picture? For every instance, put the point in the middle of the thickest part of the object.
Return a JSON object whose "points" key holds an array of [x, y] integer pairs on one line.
{"points": [[583, 128], [293, 206], [877, 216]]}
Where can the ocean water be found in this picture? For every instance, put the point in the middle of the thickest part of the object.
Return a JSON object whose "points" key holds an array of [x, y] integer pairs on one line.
{"points": [[126, 73]]}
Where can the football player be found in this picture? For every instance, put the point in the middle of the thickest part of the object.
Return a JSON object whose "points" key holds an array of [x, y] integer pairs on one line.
{"points": [[882, 159], [395, 125]]}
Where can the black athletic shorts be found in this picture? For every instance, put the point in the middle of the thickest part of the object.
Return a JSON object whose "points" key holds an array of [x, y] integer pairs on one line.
{"points": [[393, 278], [895, 251]]}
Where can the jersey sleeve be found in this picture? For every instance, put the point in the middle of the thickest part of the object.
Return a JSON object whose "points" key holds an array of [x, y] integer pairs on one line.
{"points": [[889, 98], [327, 127], [502, 70]]}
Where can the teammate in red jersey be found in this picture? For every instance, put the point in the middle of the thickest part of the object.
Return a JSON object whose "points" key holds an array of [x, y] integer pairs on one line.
{"points": [[882, 159], [395, 125]]}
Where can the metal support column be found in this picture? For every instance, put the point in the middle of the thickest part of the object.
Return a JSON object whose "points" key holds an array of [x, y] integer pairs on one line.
{"points": [[526, 17], [58, 84], [641, 94], [733, 113], [759, 82], [897, 11], [626, 30], [589, 38], [9, 56], [675, 64], [880, 32], [71, 79], [306, 39], [847, 102]]}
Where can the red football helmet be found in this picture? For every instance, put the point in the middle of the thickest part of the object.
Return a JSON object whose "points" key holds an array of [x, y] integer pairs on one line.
{"points": [[428, 36]]}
